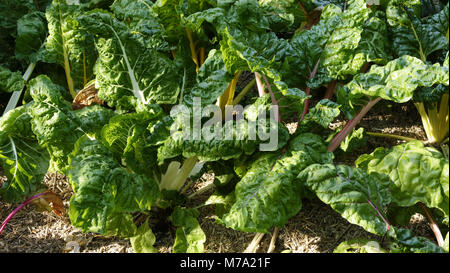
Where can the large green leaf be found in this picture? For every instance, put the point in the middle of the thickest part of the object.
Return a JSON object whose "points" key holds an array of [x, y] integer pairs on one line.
{"points": [[211, 81], [359, 197], [138, 16], [24, 162], [31, 34], [413, 35], [215, 141], [397, 80], [69, 45], [127, 72], [53, 121], [56, 126], [128, 137], [342, 42], [418, 174], [269, 193], [283, 16], [106, 193]]}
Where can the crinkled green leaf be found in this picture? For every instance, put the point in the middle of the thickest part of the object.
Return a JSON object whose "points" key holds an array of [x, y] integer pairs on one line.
{"points": [[430, 95], [138, 16], [10, 81], [53, 121], [375, 43], [359, 246], [105, 193], [342, 42], [311, 43], [283, 16], [24, 162], [322, 114], [359, 197], [244, 50], [269, 193], [397, 80], [190, 237], [127, 136], [215, 141], [415, 36], [354, 140], [211, 81], [127, 72], [93, 118], [69, 45], [31, 34], [418, 174], [339, 57]]}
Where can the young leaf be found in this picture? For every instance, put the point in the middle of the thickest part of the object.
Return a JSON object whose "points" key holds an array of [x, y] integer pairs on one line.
{"points": [[144, 240], [190, 237], [359, 246]]}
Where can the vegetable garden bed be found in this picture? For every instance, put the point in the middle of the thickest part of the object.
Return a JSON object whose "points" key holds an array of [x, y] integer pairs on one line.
{"points": [[224, 126]]}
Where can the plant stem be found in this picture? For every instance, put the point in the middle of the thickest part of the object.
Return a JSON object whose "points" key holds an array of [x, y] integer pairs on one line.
{"points": [[192, 47], [272, 96], [330, 90], [308, 92], [244, 92], [202, 55], [260, 85], [12, 103], [388, 225], [351, 125], [254, 244], [391, 136], [16, 210], [272, 241], [433, 225], [202, 190]]}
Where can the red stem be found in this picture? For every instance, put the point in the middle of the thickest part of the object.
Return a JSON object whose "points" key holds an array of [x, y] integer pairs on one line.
{"points": [[434, 226], [272, 96], [330, 90], [308, 92], [15, 211], [303, 8], [351, 125]]}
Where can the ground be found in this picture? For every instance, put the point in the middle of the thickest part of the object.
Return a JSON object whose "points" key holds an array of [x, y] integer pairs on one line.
{"points": [[316, 228]]}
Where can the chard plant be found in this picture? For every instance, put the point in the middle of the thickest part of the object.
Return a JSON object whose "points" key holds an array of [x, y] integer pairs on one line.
{"points": [[131, 159]]}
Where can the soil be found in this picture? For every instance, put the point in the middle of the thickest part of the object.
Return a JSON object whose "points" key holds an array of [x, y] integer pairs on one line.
{"points": [[316, 228]]}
